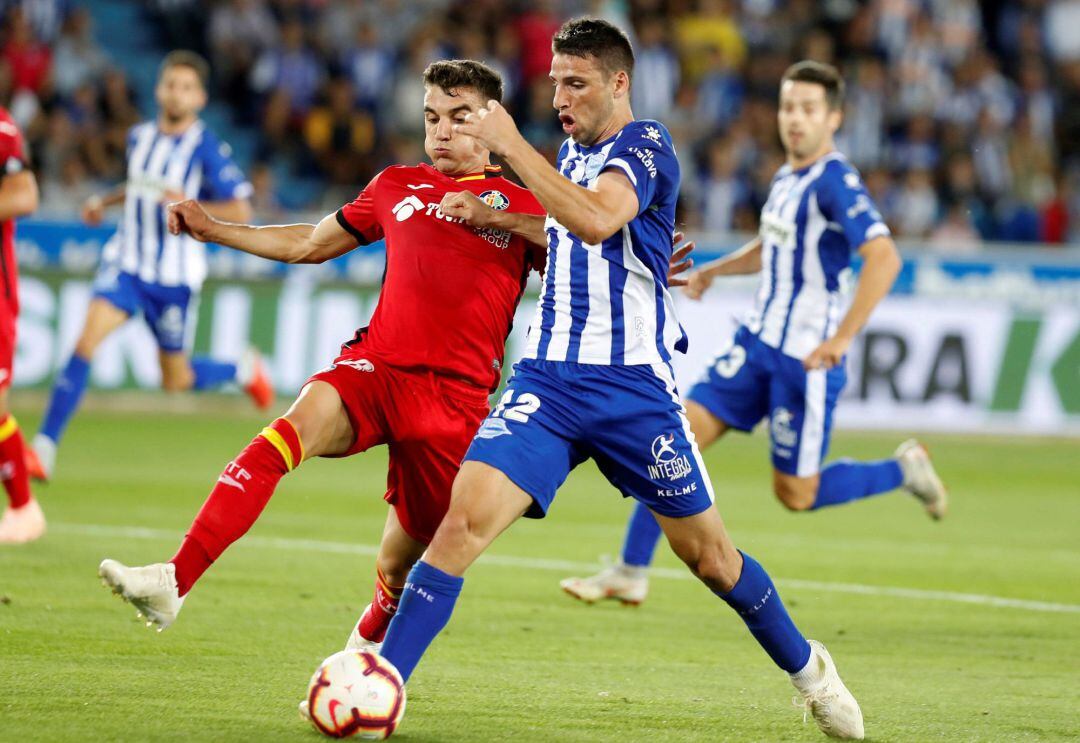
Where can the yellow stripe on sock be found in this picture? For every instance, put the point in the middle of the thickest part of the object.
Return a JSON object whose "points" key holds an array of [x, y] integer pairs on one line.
{"points": [[279, 443], [386, 585], [299, 440], [8, 428]]}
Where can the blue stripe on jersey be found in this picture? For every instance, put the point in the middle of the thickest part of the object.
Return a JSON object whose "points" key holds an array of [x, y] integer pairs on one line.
{"points": [[796, 264], [579, 296], [137, 238], [547, 301], [612, 250]]}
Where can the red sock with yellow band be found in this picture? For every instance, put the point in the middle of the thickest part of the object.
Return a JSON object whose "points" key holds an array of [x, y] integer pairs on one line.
{"points": [[238, 497], [13, 462], [376, 619]]}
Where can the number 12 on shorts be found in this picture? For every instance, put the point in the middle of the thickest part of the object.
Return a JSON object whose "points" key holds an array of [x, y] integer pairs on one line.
{"points": [[516, 410]]}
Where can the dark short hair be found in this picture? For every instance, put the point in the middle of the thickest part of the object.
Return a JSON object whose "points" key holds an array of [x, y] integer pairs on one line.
{"points": [[465, 73], [185, 58], [821, 74], [592, 37]]}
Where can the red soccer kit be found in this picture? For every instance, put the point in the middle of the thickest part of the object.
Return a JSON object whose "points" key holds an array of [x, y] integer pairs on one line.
{"points": [[418, 376], [12, 160]]}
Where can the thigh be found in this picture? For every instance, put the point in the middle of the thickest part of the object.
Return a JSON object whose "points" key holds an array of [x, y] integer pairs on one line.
{"points": [[321, 422], [422, 468], [801, 405], [531, 433], [363, 386], [170, 313], [734, 387], [648, 451], [103, 317]]}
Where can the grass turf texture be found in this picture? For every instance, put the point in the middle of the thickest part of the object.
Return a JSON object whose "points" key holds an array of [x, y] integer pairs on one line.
{"points": [[519, 659]]}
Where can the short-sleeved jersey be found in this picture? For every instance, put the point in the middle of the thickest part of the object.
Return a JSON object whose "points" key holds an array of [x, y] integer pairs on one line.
{"points": [[450, 291], [195, 163], [609, 303], [813, 221], [12, 161]]}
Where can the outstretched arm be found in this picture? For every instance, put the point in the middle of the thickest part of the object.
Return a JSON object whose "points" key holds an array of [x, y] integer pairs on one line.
{"points": [[592, 214], [745, 260], [290, 243], [881, 265]]}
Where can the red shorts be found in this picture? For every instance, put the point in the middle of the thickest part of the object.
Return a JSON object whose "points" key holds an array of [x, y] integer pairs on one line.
{"points": [[8, 322], [427, 420]]}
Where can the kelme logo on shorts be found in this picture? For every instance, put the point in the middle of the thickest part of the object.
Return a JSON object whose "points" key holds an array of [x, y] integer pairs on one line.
{"points": [[495, 199]]}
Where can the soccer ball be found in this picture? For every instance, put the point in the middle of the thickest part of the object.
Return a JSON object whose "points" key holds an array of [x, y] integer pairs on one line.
{"points": [[356, 693]]}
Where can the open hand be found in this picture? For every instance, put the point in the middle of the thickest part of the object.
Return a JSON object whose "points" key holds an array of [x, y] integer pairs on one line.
{"points": [[680, 260], [491, 126]]}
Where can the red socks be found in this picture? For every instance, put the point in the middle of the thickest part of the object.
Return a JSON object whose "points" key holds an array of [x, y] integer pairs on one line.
{"points": [[381, 610], [241, 493], [13, 462]]}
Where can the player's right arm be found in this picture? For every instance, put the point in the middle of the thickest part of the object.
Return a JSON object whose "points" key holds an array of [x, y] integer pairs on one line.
{"points": [[289, 243], [467, 206], [745, 260]]}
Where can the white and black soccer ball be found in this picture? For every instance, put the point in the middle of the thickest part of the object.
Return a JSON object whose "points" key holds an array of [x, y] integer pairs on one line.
{"points": [[359, 694]]}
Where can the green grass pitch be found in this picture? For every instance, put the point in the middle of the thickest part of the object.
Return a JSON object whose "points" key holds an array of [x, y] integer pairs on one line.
{"points": [[520, 660]]}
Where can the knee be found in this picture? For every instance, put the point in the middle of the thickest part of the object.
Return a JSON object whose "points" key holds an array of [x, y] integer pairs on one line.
{"points": [[796, 493], [394, 568], [715, 567]]}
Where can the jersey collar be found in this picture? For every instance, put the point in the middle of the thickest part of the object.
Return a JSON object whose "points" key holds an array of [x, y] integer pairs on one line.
{"points": [[489, 171]]}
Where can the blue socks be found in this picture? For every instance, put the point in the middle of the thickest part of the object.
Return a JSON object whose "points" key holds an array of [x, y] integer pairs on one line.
{"points": [[210, 373], [755, 598], [66, 393], [426, 605], [847, 480], [642, 535]]}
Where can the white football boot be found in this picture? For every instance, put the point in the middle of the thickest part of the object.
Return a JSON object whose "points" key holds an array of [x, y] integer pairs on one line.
{"points": [[23, 524], [151, 590], [921, 480], [625, 583], [825, 697]]}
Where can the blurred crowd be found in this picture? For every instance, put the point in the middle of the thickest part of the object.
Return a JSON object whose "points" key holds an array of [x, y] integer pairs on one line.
{"points": [[964, 117]]}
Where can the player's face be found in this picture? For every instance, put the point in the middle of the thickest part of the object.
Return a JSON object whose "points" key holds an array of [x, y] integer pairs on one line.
{"points": [[584, 96], [180, 93], [806, 122], [451, 153]]}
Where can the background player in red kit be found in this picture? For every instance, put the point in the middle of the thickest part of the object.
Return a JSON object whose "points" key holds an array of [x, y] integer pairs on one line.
{"points": [[22, 520], [417, 378]]}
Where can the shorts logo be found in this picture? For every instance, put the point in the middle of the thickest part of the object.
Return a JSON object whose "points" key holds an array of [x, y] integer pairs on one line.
{"points": [[667, 463], [360, 365], [783, 435], [496, 200], [493, 428], [171, 323]]}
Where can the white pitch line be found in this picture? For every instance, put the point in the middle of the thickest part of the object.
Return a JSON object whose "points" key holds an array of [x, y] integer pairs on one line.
{"points": [[568, 566]]}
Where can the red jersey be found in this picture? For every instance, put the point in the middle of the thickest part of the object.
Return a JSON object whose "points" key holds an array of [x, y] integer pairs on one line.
{"points": [[12, 160], [450, 291]]}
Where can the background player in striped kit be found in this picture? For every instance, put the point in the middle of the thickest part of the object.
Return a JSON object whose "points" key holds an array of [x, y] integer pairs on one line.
{"points": [[595, 382], [144, 268], [22, 520], [786, 362]]}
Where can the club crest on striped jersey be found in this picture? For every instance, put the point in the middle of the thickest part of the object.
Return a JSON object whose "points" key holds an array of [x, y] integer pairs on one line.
{"points": [[497, 200]]}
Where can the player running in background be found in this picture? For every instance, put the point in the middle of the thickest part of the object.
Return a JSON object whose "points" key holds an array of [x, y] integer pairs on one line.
{"points": [[22, 520], [786, 362], [417, 378], [595, 381], [145, 269]]}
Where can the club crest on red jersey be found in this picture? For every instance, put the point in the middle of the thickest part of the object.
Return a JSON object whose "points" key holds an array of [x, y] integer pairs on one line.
{"points": [[495, 199]]}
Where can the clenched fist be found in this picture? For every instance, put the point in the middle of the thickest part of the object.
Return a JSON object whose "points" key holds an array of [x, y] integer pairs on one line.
{"points": [[190, 217], [467, 206]]}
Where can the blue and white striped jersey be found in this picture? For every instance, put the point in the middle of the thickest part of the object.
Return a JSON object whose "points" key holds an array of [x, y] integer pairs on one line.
{"points": [[813, 221], [195, 163], [609, 303]]}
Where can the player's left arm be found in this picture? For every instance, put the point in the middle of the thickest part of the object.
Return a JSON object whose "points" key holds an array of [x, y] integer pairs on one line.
{"points": [[881, 265], [592, 214], [230, 210], [844, 201]]}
